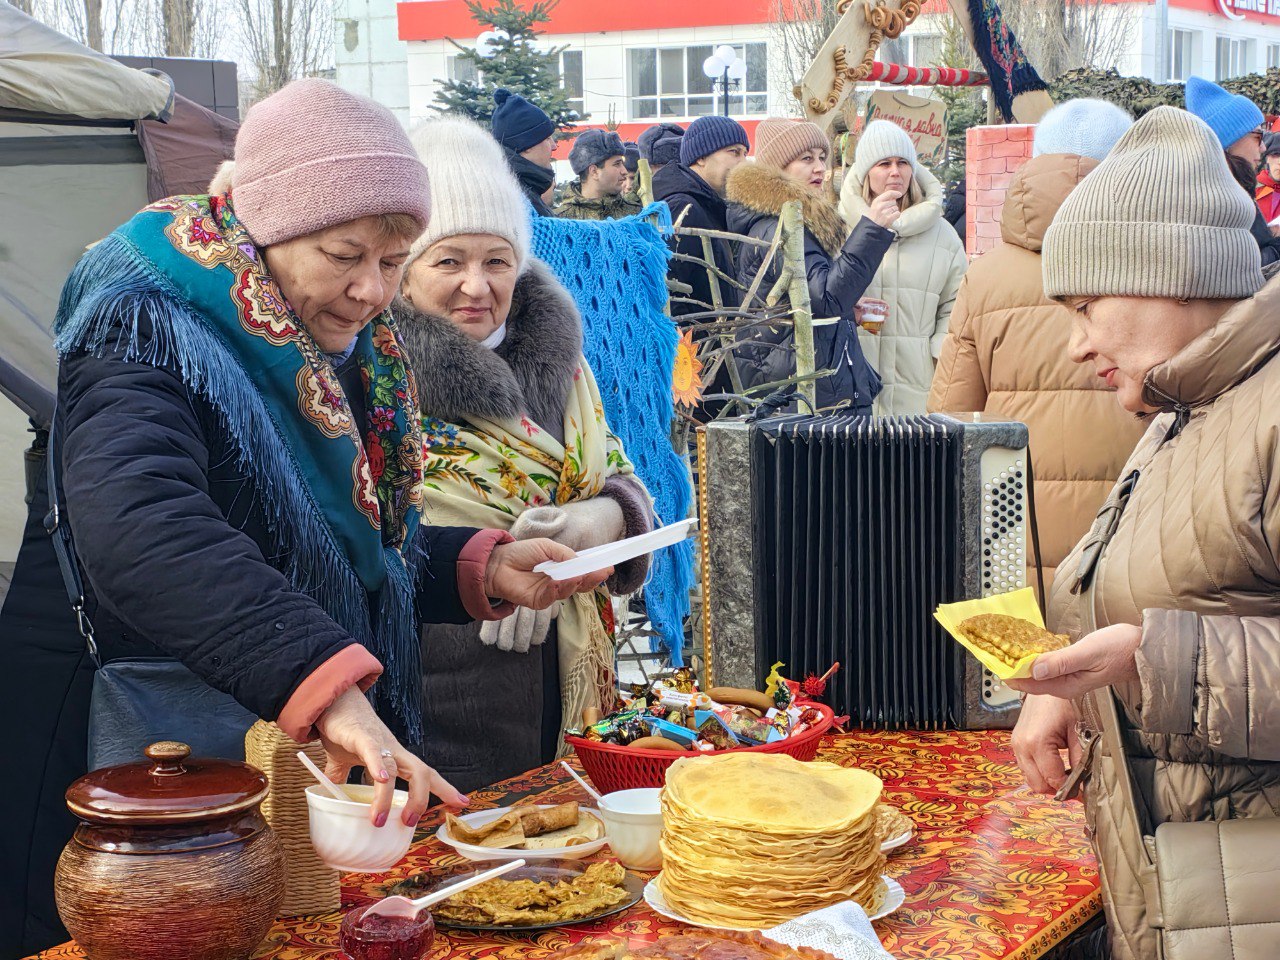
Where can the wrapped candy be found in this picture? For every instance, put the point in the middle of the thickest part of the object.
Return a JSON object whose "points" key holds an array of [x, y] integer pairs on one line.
{"points": [[714, 732], [621, 728]]}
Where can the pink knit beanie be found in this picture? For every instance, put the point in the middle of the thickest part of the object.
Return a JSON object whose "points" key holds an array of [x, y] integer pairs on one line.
{"points": [[312, 155], [779, 140]]}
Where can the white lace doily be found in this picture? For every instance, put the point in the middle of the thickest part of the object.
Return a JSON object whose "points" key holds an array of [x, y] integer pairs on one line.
{"points": [[844, 931]]}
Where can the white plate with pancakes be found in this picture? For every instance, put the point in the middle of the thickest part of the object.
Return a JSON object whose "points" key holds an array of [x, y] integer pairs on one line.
{"points": [[894, 897], [587, 836], [893, 843]]}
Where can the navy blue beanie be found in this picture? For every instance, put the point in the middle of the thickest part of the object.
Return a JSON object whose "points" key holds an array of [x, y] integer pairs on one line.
{"points": [[708, 134], [594, 146], [659, 131], [517, 124]]}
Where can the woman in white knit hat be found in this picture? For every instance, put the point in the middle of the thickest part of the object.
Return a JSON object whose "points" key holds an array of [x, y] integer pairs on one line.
{"points": [[514, 438], [1153, 255], [920, 274]]}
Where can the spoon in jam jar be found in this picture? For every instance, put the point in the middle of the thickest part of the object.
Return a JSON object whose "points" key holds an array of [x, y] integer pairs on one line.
{"points": [[404, 907]]}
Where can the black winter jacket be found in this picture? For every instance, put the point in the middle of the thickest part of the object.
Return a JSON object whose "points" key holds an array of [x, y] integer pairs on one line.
{"points": [[838, 270], [534, 180], [682, 189], [173, 543]]}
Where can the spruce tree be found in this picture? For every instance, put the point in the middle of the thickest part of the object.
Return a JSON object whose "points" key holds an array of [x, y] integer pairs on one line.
{"points": [[516, 63]]}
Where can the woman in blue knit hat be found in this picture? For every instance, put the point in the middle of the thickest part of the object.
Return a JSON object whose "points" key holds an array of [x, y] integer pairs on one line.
{"points": [[528, 137], [1237, 123]]}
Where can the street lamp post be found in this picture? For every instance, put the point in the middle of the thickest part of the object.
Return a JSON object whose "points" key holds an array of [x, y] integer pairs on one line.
{"points": [[726, 68]]}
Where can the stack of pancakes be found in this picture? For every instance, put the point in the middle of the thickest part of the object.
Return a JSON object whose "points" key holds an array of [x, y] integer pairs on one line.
{"points": [[750, 841]]}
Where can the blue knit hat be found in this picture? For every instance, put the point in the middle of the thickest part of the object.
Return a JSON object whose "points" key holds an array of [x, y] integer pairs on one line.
{"points": [[594, 146], [1229, 115], [708, 134], [1084, 128], [659, 131], [517, 124]]}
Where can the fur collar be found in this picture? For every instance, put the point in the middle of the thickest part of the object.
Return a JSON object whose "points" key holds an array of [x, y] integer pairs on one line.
{"points": [[764, 189], [529, 374], [914, 220]]}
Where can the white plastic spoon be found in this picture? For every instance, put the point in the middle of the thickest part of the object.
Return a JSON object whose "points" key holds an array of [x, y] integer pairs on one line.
{"points": [[404, 907], [333, 788], [582, 783]]}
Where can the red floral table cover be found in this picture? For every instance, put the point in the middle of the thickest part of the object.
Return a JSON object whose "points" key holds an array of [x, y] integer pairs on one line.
{"points": [[992, 872]]}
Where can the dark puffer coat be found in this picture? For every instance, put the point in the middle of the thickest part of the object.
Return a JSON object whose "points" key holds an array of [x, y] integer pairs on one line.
{"points": [[839, 270], [176, 552]]}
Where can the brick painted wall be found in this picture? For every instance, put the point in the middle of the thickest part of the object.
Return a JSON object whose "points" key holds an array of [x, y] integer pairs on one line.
{"points": [[992, 157]]}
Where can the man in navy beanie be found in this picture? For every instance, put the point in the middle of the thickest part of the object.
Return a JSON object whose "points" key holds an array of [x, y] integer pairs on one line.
{"points": [[599, 159], [527, 136], [694, 190]]}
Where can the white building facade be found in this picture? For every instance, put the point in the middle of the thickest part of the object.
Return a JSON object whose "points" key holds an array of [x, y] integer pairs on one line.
{"points": [[640, 63]]}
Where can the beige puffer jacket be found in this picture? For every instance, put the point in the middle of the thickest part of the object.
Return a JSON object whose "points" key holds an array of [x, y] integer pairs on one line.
{"points": [[1195, 560], [919, 278], [1005, 355]]}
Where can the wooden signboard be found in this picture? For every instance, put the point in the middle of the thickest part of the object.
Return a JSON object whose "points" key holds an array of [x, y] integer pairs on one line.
{"points": [[848, 53], [924, 119]]}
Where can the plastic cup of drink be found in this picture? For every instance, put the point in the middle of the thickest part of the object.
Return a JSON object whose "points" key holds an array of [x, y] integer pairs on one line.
{"points": [[873, 314]]}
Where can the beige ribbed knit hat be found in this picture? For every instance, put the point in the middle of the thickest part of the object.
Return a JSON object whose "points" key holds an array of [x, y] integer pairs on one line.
{"points": [[1160, 217], [880, 141], [473, 189], [779, 140]]}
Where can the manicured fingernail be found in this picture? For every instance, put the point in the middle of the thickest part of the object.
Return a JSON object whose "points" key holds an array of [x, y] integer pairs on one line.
{"points": [[413, 820], [465, 799], [382, 775], [380, 820], [1039, 671]]}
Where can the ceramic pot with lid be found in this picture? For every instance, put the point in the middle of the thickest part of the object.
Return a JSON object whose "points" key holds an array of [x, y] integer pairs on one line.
{"points": [[172, 860]]}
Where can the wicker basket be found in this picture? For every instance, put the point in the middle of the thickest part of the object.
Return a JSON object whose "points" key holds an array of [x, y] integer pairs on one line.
{"points": [[310, 886], [613, 768]]}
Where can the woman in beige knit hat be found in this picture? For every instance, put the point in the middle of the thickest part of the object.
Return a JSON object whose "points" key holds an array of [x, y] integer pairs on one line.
{"points": [[1171, 598], [792, 160], [920, 274]]}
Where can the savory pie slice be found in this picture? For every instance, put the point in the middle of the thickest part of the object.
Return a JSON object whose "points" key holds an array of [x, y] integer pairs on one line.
{"points": [[1009, 639]]}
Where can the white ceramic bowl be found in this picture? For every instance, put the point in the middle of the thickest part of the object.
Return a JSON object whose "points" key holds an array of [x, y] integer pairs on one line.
{"points": [[578, 852], [346, 840], [633, 819]]}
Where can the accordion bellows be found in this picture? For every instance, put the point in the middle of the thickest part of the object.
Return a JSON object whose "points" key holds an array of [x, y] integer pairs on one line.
{"points": [[750, 841]]}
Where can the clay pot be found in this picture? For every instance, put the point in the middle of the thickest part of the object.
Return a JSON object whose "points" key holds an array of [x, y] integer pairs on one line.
{"points": [[172, 860]]}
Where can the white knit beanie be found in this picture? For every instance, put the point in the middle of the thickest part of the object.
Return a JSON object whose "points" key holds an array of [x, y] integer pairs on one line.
{"points": [[472, 188], [1160, 217], [1084, 127], [880, 141]]}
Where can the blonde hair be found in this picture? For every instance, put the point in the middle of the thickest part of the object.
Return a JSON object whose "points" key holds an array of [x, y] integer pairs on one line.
{"points": [[914, 194]]}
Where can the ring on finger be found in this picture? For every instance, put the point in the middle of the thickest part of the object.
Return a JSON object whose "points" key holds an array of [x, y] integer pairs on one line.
{"points": [[386, 754]]}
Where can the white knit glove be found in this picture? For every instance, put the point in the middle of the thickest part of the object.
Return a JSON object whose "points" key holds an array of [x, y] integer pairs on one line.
{"points": [[526, 627], [579, 526], [522, 629]]}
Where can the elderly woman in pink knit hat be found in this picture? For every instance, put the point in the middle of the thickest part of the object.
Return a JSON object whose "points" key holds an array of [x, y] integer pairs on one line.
{"points": [[239, 456]]}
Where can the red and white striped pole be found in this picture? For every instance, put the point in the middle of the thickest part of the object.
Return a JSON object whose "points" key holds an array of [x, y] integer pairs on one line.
{"points": [[902, 75]]}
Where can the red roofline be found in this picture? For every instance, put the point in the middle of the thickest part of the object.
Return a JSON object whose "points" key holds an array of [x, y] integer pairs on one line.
{"points": [[438, 19]]}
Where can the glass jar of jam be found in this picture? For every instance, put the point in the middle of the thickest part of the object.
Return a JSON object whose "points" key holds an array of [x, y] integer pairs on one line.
{"points": [[375, 937]]}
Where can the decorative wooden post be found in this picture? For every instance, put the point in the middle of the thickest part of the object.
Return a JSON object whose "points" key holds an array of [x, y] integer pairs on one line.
{"points": [[792, 225], [645, 174]]}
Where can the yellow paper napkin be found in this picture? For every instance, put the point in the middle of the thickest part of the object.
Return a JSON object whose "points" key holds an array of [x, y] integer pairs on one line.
{"points": [[1020, 603]]}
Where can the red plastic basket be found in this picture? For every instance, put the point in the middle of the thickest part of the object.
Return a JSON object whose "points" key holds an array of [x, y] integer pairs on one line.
{"points": [[612, 767]]}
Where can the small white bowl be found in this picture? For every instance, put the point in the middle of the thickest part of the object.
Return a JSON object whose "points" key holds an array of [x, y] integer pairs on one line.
{"points": [[634, 822], [346, 840], [478, 819]]}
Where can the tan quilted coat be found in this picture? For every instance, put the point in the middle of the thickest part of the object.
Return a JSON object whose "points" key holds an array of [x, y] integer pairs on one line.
{"points": [[1195, 559], [1006, 355]]}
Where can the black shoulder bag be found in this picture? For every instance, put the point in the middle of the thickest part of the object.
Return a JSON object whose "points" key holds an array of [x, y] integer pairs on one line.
{"points": [[140, 701]]}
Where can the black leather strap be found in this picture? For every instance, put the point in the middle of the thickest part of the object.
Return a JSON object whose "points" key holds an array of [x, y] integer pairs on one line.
{"points": [[63, 546]]}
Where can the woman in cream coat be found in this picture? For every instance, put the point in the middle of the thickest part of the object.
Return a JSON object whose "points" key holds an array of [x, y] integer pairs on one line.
{"points": [[920, 275]]}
